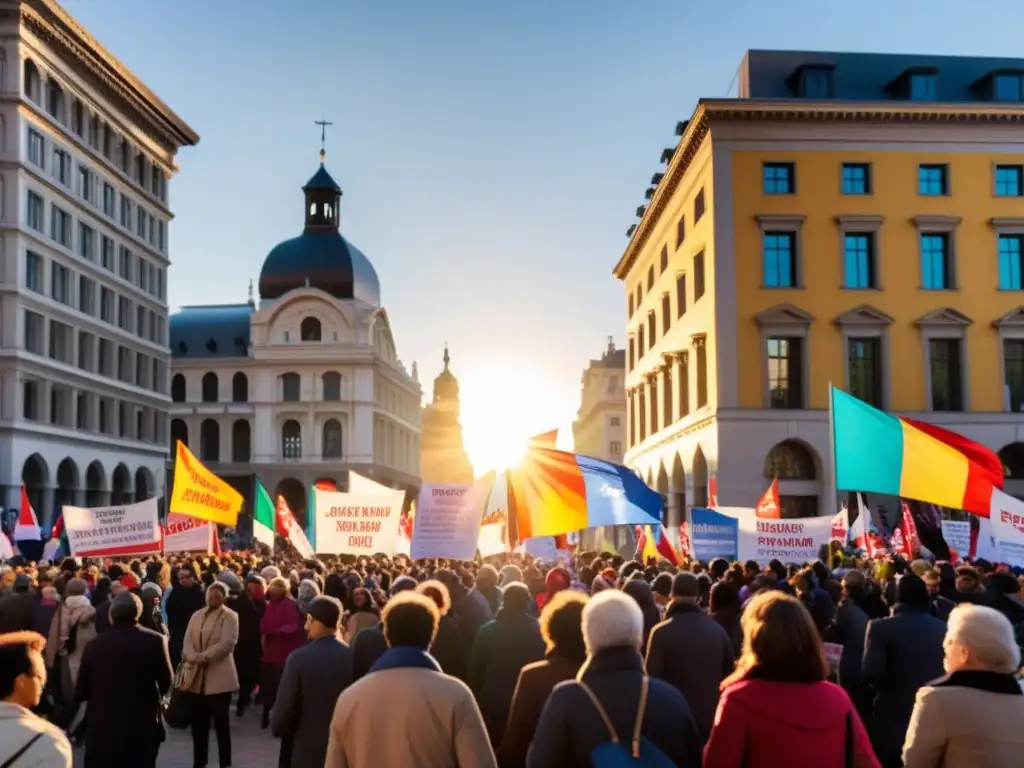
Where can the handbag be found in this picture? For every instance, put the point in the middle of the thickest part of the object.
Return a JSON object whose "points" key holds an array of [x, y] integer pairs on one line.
{"points": [[176, 711]]}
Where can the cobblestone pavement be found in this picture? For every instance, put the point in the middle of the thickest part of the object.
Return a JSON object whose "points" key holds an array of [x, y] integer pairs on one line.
{"points": [[250, 746]]}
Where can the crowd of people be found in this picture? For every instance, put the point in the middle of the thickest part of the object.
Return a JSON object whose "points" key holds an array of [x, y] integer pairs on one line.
{"points": [[386, 661]]}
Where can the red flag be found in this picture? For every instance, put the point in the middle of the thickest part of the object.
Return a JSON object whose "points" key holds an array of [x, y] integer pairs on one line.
{"points": [[216, 539], [712, 492], [913, 541], [58, 527], [768, 505], [684, 539], [562, 541], [27, 528]]}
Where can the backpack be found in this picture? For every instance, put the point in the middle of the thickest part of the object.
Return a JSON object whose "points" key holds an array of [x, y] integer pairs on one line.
{"points": [[613, 754]]}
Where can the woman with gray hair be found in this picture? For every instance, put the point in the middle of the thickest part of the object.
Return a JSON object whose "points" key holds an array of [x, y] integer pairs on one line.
{"points": [[971, 717]]}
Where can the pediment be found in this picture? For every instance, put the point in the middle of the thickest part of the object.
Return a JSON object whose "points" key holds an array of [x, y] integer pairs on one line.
{"points": [[947, 316], [865, 314], [1012, 319], [784, 314]]}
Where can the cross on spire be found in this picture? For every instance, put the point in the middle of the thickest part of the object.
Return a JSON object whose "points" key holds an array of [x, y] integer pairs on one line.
{"points": [[323, 137]]}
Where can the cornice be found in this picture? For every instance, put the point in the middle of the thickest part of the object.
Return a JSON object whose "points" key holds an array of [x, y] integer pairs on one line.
{"points": [[58, 29]]}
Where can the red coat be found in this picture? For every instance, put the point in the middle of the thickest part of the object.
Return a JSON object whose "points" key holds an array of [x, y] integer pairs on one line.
{"points": [[282, 630], [766, 724]]}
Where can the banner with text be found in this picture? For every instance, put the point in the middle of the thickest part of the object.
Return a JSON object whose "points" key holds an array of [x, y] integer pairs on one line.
{"points": [[364, 486], [1005, 527], [957, 534], [188, 534], [713, 534], [356, 524], [448, 520], [796, 540], [128, 529], [200, 493]]}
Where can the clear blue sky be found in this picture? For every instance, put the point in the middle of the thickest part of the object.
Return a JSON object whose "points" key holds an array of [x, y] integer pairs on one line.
{"points": [[491, 153]]}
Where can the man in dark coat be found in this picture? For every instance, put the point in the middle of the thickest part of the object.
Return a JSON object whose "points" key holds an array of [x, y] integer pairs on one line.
{"points": [[370, 644], [249, 650], [185, 598], [17, 606], [124, 674], [314, 677], [901, 654]]}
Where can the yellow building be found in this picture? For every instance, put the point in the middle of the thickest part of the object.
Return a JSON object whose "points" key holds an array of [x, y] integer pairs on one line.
{"points": [[850, 218]]}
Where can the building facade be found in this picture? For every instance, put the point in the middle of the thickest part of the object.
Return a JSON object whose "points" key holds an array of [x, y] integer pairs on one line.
{"points": [[600, 426], [854, 219], [305, 386], [443, 457], [84, 218]]}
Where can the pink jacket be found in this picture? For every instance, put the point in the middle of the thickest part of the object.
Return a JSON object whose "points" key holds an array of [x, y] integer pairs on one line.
{"points": [[282, 630], [764, 724]]}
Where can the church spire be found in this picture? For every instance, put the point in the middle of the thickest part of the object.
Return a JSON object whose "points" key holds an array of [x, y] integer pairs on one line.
{"points": [[446, 358], [323, 195]]}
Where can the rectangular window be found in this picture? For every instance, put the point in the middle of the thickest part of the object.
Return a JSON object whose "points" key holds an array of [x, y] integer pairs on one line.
{"points": [[124, 313], [864, 362], [680, 230], [615, 448], [151, 231], [34, 215], [106, 359], [632, 352], [140, 322], [140, 222], [702, 374], [785, 373], [86, 343], [923, 86], [932, 180], [651, 329], [936, 269], [85, 183], [664, 260], [160, 235], [1009, 180], [816, 83], [107, 305], [34, 325], [36, 148], [61, 346], [856, 179], [859, 260], [82, 411], [86, 295], [698, 276], [666, 313], [684, 385], [1008, 87], [108, 253], [124, 263], [62, 166], [947, 381], [1013, 362], [1011, 251], [30, 404], [160, 284], [698, 206], [681, 295], [778, 179], [126, 212], [33, 271], [108, 200], [60, 226], [779, 259], [86, 242], [60, 283]]}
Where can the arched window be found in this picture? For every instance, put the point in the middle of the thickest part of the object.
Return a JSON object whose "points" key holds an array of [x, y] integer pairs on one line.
{"points": [[789, 460], [241, 442], [310, 329], [291, 440], [178, 388], [240, 388], [332, 386], [209, 440], [210, 388], [55, 99], [332, 439], [179, 431], [32, 81], [290, 385]]}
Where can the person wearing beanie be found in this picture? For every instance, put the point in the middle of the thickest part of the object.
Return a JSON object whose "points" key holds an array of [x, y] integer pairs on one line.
{"points": [[151, 617], [314, 677], [128, 663], [902, 653]]}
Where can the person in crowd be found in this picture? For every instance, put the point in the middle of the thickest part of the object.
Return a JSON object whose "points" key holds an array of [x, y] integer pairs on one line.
{"points": [[848, 629], [502, 648], [969, 588], [557, 579], [364, 614], [124, 675], [487, 592], [940, 607], [449, 647], [776, 708], [307, 592], [973, 716], [698, 671], [641, 591], [508, 574], [815, 599], [369, 714], [901, 653], [612, 693], [662, 588], [725, 608], [248, 650], [561, 626], [16, 605], [209, 647], [44, 610], [473, 612], [184, 600], [313, 679], [151, 595], [73, 628], [27, 739], [114, 588], [1003, 595], [281, 628], [371, 645]]}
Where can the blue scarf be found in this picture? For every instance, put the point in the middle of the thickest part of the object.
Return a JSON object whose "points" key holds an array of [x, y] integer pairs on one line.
{"points": [[405, 656]]}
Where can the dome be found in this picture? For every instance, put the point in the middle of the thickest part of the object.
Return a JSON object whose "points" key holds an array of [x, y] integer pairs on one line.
{"points": [[446, 386], [320, 257]]}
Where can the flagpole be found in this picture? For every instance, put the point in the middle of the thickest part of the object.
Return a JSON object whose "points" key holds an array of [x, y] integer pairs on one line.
{"points": [[832, 445]]}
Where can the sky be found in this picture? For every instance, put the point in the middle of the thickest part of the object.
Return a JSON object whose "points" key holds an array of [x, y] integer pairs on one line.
{"points": [[492, 154]]}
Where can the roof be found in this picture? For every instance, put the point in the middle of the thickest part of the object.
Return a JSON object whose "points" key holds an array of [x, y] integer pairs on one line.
{"points": [[615, 358], [323, 260], [321, 180], [204, 331]]}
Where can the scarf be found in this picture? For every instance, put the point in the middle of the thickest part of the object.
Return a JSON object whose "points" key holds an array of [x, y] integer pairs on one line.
{"points": [[405, 656]]}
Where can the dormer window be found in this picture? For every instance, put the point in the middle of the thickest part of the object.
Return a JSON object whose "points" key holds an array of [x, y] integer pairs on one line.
{"points": [[813, 81], [916, 84], [1008, 86]]}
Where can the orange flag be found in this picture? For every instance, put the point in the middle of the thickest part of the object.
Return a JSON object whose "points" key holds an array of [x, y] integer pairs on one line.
{"points": [[768, 505]]}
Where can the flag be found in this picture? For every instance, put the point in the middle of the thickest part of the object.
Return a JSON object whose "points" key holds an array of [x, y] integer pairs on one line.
{"points": [[553, 492], [263, 517], [768, 506], [657, 545], [863, 531], [200, 493], [712, 492], [288, 527], [876, 452], [913, 541], [927, 519], [684, 539], [841, 523], [545, 440], [6, 548], [27, 528]]}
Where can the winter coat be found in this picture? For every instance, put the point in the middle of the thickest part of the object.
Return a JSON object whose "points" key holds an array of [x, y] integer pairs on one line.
{"points": [[249, 649], [16, 611], [179, 606], [536, 681], [848, 629], [75, 613], [357, 621], [449, 647], [281, 627], [210, 642]]}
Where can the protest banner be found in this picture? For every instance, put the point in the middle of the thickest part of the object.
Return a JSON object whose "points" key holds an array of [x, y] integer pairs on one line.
{"points": [[448, 521], [184, 533], [796, 540], [127, 529], [1003, 531], [957, 534], [364, 486], [356, 524], [712, 534]]}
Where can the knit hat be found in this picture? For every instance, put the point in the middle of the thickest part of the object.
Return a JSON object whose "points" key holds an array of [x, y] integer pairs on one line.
{"points": [[127, 605], [130, 580], [685, 588], [152, 589]]}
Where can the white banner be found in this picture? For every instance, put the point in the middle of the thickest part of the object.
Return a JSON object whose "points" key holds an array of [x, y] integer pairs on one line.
{"points": [[367, 488], [184, 533], [796, 540], [357, 524], [957, 534], [129, 529], [1006, 530], [491, 540], [447, 520]]}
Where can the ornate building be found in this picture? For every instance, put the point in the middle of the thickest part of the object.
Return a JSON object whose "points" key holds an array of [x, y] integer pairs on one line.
{"points": [[305, 386], [443, 457], [89, 152]]}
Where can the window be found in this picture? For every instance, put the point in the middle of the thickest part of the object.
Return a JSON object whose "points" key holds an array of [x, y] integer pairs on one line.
{"points": [[33, 271], [86, 295], [107, 246], [62, 166], [85, 183], [107, 305], [639, 342], [629, 302], [108, 200], [702, 372], [332, 386], [614, 421], [160, 241], [947, 382], [1008, 87], [239, 388], [36, 148], [31, 400], [86, 344], [936, 269], [290, 386], [666, 313], [61, 336], [931, 180], [210, 387], [856, 179], [34, 332], [864, 362], [1013, 361], [178, 388], [124, 263], [140, 222], [859, 260], [615, 448], [785, 373], [1011, 252], [35, 212], [86, 242], [778, 179], [664, 259], [816, 83], [332, 439], [124, 313], [650, 279], [291, 440], [126, 212], [310, 329], [60, 283], [698, 206], [106, 357], [680, 230], [698, 276], [1009, 180], [652, 331], [632, 352], [60, 226], [77, 117], [923, 86], [681, 295], [779, 259]]}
